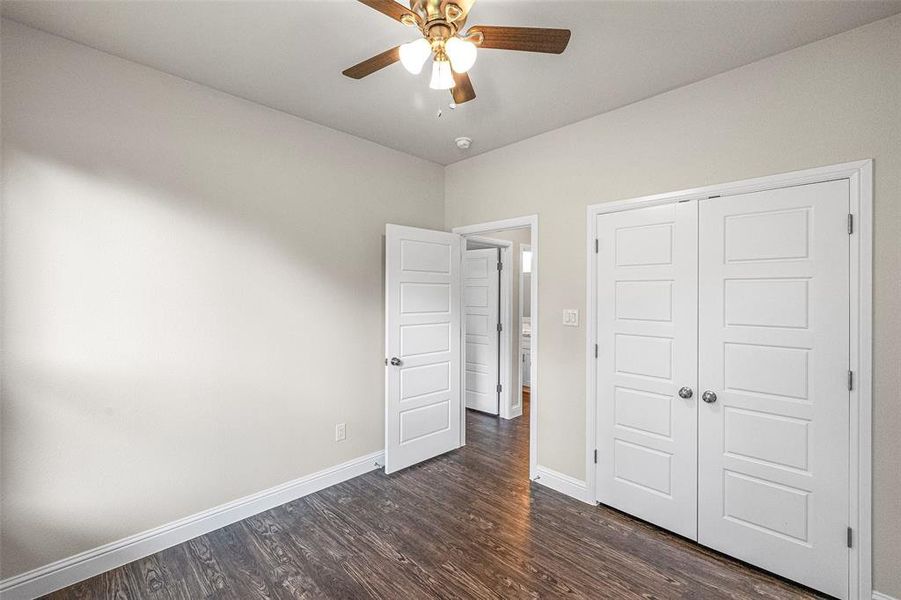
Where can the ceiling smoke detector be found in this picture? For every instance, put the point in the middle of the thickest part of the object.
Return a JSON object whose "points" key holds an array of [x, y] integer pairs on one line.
{"points": [[463, 143]]}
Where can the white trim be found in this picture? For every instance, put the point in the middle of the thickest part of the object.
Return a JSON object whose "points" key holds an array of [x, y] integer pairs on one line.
{"points": [[488, 241], [530, 221], [881, 596], [520, 318], [591, 405], [769, 182], [570, 486], [501, 225], [860, 176], [506, 374], [862, 391], [68, 571]]}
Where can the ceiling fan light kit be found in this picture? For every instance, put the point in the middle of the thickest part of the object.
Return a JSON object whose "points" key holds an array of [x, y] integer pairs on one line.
{"points": [[440, 22], [462, 54], [442, 78], [414, 54]]}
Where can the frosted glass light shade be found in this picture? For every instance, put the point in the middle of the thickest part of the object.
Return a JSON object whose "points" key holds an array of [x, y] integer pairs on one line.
{"points": [[442, 78], [414, 54], [462, 54]]}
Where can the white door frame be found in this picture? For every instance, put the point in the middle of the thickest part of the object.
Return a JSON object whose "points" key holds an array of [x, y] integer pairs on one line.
{"points": [[860, 176], [530, 221], [505, 373], [522, 248]]}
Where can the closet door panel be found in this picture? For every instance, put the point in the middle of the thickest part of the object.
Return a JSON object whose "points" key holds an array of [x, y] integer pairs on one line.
{"points": [[774, 348], [647, 351]]}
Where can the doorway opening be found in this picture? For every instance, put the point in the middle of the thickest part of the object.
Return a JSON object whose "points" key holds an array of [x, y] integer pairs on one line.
{"points": [[489, 327], [425, 339], [501, 366]]}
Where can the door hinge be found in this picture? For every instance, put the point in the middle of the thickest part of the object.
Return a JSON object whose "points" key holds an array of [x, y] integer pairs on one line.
{"points": [[850, 538], [596, 244], [850, 380], [595, 456], [500, 328], [850, 223], [499, 388], [595, 350]]}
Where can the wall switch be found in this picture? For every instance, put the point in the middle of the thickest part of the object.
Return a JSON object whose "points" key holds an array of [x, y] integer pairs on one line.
{"points": [[340, 432], [571, 317]]}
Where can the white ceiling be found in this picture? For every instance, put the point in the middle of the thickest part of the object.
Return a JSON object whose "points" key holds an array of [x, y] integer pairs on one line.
{"points": [[289, 55]]}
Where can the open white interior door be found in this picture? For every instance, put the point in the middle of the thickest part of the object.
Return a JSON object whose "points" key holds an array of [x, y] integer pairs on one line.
{"points": [[422, 342], [481, 308]]}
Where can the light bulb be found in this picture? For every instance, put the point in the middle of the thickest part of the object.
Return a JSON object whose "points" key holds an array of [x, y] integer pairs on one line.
{"points": [[442, 78], [462, 54], [413, 55]]}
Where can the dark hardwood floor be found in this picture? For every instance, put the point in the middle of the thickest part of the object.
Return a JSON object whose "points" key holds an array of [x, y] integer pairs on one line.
{"points": [[468, 524]]}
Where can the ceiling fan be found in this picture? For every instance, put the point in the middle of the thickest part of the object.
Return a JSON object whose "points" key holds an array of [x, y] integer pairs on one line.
{"points": [[441, 23]]}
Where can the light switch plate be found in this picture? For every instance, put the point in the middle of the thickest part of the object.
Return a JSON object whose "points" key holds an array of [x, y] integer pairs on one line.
{"points": [[571, 317]]}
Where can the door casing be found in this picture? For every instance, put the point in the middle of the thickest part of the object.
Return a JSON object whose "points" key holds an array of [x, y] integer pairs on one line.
{"points": [[521, 379], [860, 177]]}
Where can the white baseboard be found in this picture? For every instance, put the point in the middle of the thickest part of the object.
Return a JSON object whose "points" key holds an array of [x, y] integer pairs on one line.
{"points": [[67, 571], [514, 414], [570, 486], [881, 596]]}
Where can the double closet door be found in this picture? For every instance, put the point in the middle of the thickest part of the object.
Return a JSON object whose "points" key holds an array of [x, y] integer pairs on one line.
{"points": [[722, 375]]}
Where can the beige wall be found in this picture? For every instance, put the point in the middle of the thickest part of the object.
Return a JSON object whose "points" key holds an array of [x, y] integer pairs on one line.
{"points": [[833, 101], [186, 278]]}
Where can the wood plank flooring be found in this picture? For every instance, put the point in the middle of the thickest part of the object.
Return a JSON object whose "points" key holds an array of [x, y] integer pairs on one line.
{"points": [[468, 524]]}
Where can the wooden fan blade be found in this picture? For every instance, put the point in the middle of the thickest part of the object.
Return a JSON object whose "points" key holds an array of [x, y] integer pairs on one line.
{"points": [[390, 8], [371, 65], [528, 39], [462, 90]]}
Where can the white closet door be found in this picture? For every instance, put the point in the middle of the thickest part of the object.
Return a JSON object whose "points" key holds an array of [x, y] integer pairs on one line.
{"points": [[481, 302], [422, 288], [647, 338], [773, 336]]}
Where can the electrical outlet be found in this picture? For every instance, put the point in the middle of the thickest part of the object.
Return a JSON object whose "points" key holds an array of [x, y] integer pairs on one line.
{"points": [[571, 317], [340, 432]]}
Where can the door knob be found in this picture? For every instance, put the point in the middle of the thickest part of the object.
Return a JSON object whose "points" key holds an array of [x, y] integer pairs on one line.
{"points": [[685, 392], [708, 397], [395, 362]]}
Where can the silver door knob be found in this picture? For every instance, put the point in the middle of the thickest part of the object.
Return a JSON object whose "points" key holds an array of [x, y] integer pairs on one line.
{"points": [[395, 362], [708, 397], [685, 392]]}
